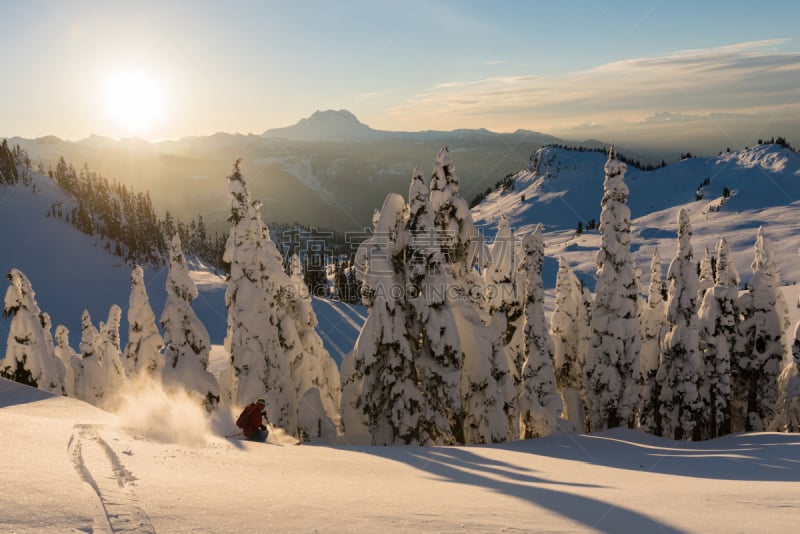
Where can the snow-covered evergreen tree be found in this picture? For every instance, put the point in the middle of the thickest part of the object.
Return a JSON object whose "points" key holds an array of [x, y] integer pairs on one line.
{"points": [[706, 274], [787, 407], [487, 386], [612, 362], [143, 351], [540, 404], [719, 321], [260, 366], [312, 366], [569, 330], [430, 324], [758, 358], [680, 404], [505, 295], [30, 357], [69, 357], [354, 422], [47, 328], [459, 238], [90, 380], [654, 327], [186, 340], [112, 356], [392, 399]]}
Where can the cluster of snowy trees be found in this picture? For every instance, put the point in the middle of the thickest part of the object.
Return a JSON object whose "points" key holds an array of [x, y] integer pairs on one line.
{"points": [[695, 360], [125, 219], [448, 355], [457, 349], [128, 223], [111, 211], [275, 350], [99, 371], [714, 361]]}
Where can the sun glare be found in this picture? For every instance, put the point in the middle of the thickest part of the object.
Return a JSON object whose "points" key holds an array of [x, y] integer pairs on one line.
{"points": [[135, 102]]}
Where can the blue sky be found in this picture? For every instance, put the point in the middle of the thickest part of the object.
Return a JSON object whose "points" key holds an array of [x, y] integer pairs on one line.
{"points": [[575, 69]]}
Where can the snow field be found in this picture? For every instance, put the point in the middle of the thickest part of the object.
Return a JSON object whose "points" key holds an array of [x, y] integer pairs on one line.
{"points": [[616, 481]]}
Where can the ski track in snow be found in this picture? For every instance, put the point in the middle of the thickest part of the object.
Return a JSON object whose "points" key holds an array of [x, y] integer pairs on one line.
{"points": [[99, 466]]}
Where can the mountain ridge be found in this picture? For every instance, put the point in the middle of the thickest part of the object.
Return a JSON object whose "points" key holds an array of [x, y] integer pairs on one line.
{"points": [[730, 195], [333, 182]]}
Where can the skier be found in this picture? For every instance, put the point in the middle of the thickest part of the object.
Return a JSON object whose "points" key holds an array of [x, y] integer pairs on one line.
{"points": [[250, 421]]}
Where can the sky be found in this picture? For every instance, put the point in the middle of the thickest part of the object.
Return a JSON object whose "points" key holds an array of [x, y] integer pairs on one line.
{"points": [[643, 70]]}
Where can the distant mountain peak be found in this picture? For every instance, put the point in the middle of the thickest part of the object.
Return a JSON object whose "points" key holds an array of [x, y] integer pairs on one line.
{"points": [[327, 125], [332, 114]]}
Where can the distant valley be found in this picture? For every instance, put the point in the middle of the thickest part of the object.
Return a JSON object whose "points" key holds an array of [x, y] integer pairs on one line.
{"points": [[328, 170]]}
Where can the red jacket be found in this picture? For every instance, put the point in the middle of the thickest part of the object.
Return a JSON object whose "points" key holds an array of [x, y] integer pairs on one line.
{"points": [[250, 419]]}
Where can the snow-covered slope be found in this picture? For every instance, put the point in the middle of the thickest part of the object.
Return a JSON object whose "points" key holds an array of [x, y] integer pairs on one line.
{"points": [[71, 271], [561, 188], [69, 467]]}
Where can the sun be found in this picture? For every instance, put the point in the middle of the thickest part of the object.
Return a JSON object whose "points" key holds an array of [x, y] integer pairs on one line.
{"points": [[135, 102]]}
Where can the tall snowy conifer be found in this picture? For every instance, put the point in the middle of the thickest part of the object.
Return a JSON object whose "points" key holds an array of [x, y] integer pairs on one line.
{"points": [[47, 328], [392, 400], [143, 351], [112, 356], [430, 324], [569, 331], [69, 358], [719, 322], [461, 243], [487, 387], [186, 339], [680, 404], [654, 327], [540, 404], [488, 396], [758, 360], [353, 422], [352, 409], [612, 363], [30, 358], [260, 367], [90, 380], [505, 295], [313, 367], [706, 275]]}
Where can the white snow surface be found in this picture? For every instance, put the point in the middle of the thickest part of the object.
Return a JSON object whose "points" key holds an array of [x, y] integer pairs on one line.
{"points": [[69, 467], [563, 187]]}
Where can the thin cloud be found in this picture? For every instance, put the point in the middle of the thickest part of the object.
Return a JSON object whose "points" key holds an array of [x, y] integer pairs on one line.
{"points": [[752, 79], [370, 95], [739, 50]]}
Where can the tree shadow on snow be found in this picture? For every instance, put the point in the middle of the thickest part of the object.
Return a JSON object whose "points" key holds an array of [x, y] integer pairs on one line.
{"points": [[770, 457], [463, 466]]}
